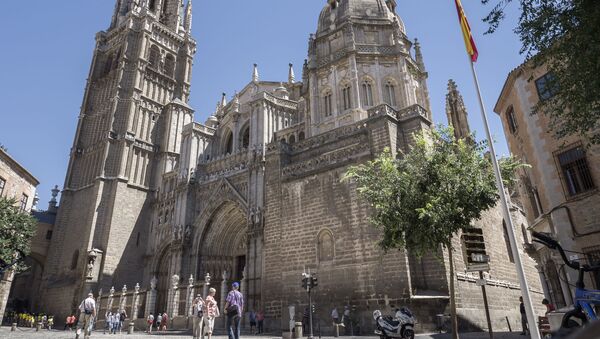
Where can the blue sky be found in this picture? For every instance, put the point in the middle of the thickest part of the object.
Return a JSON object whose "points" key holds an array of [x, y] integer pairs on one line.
{"points": [[48, 45]]}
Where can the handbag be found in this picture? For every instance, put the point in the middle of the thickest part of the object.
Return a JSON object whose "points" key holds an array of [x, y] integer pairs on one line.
{"points": [[232, 310]]}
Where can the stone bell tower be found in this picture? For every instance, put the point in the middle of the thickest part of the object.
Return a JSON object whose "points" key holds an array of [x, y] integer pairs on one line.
{"points": [[133, 111]]}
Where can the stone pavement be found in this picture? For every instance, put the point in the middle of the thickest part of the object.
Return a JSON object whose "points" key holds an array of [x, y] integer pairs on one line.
{"points": [[44, 334]]}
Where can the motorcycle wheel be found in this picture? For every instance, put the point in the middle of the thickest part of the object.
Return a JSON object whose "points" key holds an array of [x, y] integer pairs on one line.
{"points": [[409, 334]]}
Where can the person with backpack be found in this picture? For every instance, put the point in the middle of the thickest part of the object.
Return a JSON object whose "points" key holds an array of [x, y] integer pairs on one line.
{"points": [[234, 308], [198, 316], [88, 314]]}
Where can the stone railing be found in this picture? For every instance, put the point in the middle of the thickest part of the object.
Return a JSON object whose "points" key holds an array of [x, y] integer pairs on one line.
{"points": [[415, 109], [330, 136], [383, 109], [293, 105], [224, 165]]}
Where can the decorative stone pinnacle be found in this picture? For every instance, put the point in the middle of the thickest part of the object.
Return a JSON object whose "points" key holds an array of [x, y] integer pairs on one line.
{"points": [[112, 290], [255, 76], [124, 290], [191, 280], [291, 75], [207, 278]]}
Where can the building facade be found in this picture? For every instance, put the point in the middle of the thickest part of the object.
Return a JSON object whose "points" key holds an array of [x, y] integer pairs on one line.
{"points": [[254, 194], [15, 183], [559, 192]]}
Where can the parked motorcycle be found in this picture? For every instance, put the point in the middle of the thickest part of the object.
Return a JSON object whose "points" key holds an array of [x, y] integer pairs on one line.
{"points": [[401, 325]]}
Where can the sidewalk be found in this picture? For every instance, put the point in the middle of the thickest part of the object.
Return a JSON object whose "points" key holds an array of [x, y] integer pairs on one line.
{"points": [[26, 333]]}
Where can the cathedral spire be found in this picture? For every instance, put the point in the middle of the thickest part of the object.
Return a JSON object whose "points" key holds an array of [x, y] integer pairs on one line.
{"points": [[291, 75], [187, 23], [457, 112], [223, 100], [419, 56], [255, 73]]}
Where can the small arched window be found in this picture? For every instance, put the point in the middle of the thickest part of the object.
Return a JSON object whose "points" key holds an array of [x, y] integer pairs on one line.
{"points": [[154, 57], [327, 105], [108, 65], [170, 66], [389, 93], [74, 259], [292, 139], [229, 144], [347, 97], [301, 136], [246, 138], [507, 241], [325, 245], [367, 94]]}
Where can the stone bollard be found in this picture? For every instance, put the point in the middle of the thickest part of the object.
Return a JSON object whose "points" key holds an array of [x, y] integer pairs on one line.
{"points": [[337, 330], [13, 327], [38, 326], [298, 330], [131, 328]]}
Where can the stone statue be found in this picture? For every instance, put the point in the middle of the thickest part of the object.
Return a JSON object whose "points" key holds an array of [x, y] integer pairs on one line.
{"points": [[174, 281], [153, 282]]}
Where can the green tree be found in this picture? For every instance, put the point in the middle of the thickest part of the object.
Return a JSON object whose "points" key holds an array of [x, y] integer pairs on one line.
{"points": [[564, 35], [16, 230], [426, 197]]}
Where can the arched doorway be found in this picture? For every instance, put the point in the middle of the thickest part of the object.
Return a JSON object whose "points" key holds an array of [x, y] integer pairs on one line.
{"points": [[162, 285], [223, 246]]}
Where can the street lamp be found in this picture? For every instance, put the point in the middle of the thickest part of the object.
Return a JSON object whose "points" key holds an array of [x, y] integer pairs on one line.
{"points": [[309, 281]]}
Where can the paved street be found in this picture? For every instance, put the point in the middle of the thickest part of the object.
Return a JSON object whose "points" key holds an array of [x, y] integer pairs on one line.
{"points": [[31, 334]]}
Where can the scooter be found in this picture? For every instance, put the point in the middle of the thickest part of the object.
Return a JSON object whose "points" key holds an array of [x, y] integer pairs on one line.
{"points": [[401, 325]]}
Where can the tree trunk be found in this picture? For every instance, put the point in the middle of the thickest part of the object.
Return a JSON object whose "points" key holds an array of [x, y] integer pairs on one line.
{"points": [[453, 315]]}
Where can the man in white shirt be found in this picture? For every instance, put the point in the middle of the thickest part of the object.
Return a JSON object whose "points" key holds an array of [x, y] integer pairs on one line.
{"points": [[198, 317], [88, 314]]}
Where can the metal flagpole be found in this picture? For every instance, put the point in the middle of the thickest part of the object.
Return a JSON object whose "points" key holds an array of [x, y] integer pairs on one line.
{"points": [[532, 325]]}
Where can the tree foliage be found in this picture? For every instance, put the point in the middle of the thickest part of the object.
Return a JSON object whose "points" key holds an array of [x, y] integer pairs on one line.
{"points": [[422, 199], [16, 230], [564, 35]]}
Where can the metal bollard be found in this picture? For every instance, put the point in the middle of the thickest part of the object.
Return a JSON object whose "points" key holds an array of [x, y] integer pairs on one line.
{"points": [[337, 330], [13, 327], [131, 328], [298, 330]]}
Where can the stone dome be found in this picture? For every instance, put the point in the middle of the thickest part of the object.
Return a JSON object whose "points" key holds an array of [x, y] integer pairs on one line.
{"points": [[336, 12]]}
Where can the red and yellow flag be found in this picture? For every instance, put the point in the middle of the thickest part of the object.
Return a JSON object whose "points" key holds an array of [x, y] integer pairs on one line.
{"points": [[466, 31]]}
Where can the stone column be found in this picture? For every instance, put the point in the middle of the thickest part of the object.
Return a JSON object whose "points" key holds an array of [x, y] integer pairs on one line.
{"points": [[151, 298], [173, 298], [110, 299], [223, 289], [99, 301], [244, 285], [206, 285], [135, 303], [190, 296], [123, 300]]}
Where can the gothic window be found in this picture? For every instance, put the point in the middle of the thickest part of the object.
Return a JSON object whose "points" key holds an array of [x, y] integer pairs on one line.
{"points": [[507, 241], [246, 138], [108, 65], [301, 136], [2, 184], [164, 13], [347, 97], [292, 139], [367, 94], [327, 107], [389, 93], [154, 57], [170, 66], [325, 245], [229, 144], [152, 5], [575, 171], [74, 260], [511, 120]]}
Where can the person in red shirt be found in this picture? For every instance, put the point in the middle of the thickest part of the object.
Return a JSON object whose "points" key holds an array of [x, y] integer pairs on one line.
{"points": [[549, 306]]}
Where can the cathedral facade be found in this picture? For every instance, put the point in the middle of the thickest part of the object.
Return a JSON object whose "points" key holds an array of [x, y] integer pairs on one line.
{"points": [[152, 197]]}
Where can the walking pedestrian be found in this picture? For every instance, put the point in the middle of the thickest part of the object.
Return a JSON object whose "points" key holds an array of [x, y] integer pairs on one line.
{"points": [[116, 322], [335, 316], [88, 314], [252, 319], [260, 318], [122, 317], [150, 321], [346, 320], [165, 321], [212, 312], [234, 308], [198, 315], [158, 321], [523, 317]]}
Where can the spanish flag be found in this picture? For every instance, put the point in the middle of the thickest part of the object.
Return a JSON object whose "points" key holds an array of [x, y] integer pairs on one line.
{"points": [[466, 31]]}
